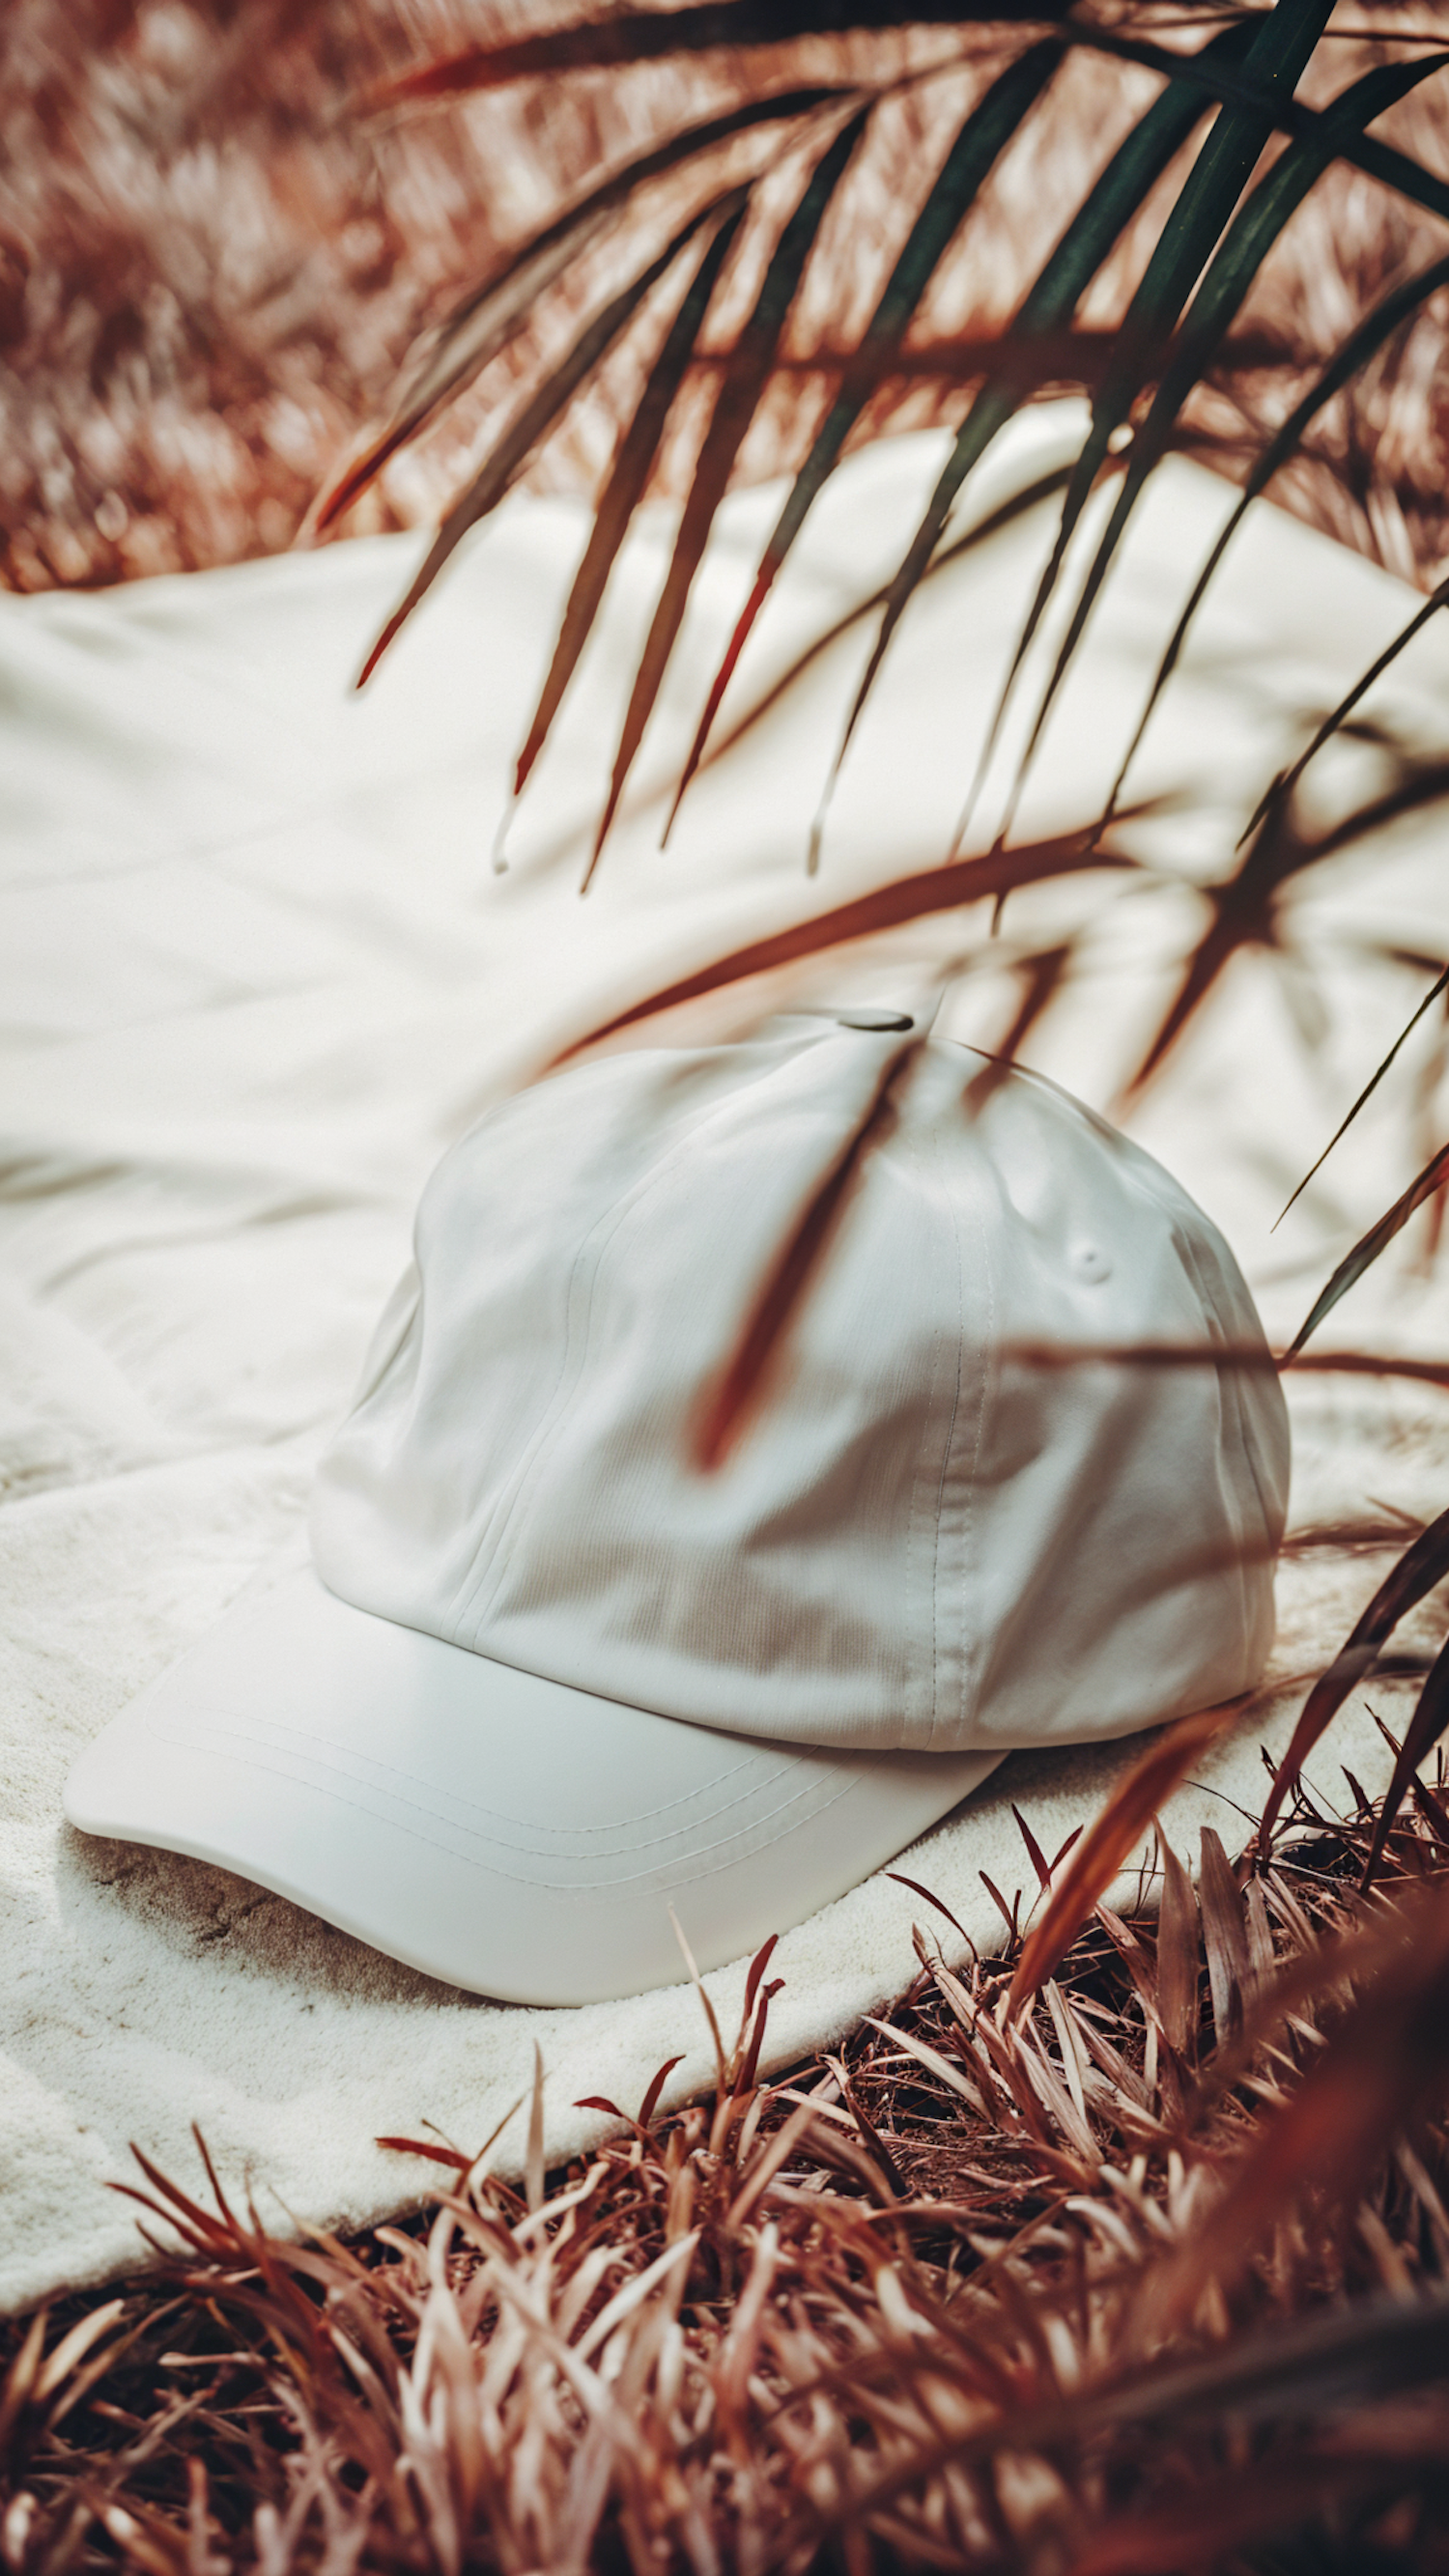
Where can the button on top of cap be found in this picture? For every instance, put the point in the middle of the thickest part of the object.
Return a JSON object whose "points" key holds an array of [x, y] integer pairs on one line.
{"points": [[875, 1020]]}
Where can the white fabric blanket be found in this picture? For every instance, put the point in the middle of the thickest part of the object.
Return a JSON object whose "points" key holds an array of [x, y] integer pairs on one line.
{"points": [[258, 970]]}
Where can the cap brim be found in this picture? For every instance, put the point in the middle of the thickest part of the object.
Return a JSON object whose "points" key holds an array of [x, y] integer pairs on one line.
{"points": [[505, 1833]]}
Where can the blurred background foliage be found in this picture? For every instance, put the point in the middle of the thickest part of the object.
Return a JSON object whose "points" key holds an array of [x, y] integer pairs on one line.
{"points": [[214, 263]]}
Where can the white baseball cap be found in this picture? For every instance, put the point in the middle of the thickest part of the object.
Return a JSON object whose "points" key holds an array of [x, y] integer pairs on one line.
{"points": [[713, 1514]]}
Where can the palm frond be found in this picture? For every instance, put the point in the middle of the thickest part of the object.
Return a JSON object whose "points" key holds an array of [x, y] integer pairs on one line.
{"points": [[1349, 360], [1283, 44], [751, 364], [511, 453], [982, 138], [1333, 723], [1114, 198], [1422, 1565], [483, 323], [1370, 1245]]}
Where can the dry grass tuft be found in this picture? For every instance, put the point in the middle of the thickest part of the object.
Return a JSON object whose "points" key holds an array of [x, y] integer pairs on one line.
{"points": [[1154, 2275]]}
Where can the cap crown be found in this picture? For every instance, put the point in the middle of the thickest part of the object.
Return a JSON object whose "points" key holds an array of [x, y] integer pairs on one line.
{"points": [[924, 1537]]}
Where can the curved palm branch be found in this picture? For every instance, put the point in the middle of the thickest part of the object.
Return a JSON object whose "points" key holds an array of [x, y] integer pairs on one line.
{"points": [[1238, 83]]}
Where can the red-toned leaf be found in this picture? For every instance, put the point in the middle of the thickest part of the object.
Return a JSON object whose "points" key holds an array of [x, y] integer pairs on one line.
{"points": [[490, 315], [1417, 1571], [985, 133], [1225, 1939], [1288, 779], [1034, 1852], [1109, 1839], [638, 36], [1229, 278], [938, 1902], [1348, 361], [1282, 42], [905, 899], [508, 457], [730, 1401], [1177, 1954], [736, 403], [1376, 1077], [625, 487], [650, 2103], [449, 2156], [1369, 1246], [1389, 2054], [1426, 1726], [1114, 199], [758, 1965]]}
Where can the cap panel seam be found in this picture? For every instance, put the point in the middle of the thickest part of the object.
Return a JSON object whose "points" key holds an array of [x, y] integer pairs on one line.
{"points": [[475, 1605], [959, 1477], [942, 1455], [474, 1597], [495, 1538]]}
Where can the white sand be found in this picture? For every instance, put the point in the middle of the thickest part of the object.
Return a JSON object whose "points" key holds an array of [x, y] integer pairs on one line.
{"points": [[258, 972]]}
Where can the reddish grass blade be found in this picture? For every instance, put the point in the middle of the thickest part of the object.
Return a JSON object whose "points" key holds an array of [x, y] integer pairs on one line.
{"points": [[1355, 353], [1225, 1939], [939, 1902], [1426, 1726], [905, 899], [1177, 1932], [452, 2157], [758, 1965], [1369, 1246], [1417, 1571], [730, 1402], [624, 490], [1389, 2055], [1108, 1840], [650, 2103], [738, 399], [1034, 1852], [1008, 1913]]}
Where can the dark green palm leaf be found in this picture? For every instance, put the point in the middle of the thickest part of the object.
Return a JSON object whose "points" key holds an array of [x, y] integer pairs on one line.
{"points": [[750, 366], [983, 136], [492, 314], [1116, 196], [1425, 1727], [1285, 783], [1220, 297], [1245, 907], [1370, 1087], [1403, 1588], [640, 36], [1237, 88], [511, 453], [625, 487], [1361, 345], [1369, 1246], [1282, 45]]}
